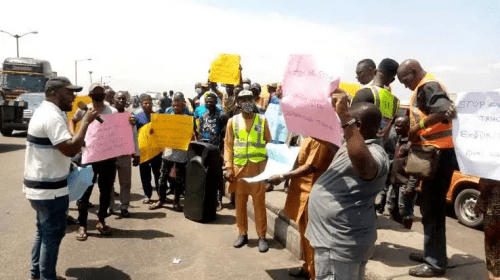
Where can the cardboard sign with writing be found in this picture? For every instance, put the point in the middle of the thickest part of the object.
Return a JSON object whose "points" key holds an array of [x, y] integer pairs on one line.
{"points": [[172, 131], [306, 100], [476, 133], [109, 139], [147, 146], [225, 69]]}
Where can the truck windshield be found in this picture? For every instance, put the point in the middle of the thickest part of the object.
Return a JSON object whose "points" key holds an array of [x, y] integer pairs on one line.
{"points": [[29, 83]]}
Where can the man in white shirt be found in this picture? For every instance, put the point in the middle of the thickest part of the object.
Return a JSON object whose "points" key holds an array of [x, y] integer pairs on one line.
{"points": [[48, 150]]}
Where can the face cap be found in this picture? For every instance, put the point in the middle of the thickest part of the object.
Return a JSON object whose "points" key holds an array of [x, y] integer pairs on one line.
{"points": [[58, 82]]}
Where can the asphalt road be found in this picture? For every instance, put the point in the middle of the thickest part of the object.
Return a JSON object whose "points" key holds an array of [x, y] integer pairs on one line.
{"points": [[142, 247]]}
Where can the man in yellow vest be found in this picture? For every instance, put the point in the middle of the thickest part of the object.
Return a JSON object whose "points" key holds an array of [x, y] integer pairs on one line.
{"points": [[245, 156], [431, 111]]}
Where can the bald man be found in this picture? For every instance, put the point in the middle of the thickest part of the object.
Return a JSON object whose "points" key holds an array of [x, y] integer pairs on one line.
{"points": [[365, 71], [431, 111], [342, 226]]}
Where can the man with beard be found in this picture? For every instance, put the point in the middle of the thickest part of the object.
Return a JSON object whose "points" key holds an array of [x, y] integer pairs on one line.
{"points": [[245, 155], [104, 171], [49, 149]]}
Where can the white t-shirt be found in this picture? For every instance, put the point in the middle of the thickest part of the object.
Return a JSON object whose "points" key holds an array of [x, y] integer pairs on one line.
{"points": [[46, 169]]}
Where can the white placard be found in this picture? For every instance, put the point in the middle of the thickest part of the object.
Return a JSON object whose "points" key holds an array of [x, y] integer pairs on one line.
{"points": [[476, 133]]}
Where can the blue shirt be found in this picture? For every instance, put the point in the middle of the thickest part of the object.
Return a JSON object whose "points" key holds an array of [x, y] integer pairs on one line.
{"points": [[141, 119]]}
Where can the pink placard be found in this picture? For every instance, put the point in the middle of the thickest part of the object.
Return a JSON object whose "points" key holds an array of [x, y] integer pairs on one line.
{"points": [[109, 139], [306, 101]]}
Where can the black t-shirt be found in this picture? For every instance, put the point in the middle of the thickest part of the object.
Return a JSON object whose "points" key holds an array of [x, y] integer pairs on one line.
{"points": [[165, 102]]}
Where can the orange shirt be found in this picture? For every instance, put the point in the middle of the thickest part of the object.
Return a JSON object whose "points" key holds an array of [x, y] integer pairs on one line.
{"points": [[318, 155]]}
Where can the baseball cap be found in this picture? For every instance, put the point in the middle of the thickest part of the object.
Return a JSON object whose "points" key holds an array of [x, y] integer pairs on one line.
{"points": [[244, 93], [95, 85], [58, 82]]}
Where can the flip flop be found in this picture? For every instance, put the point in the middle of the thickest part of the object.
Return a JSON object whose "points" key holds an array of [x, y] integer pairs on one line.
{"points": [[104, 229], [156, 205], [81, 235], [146, 201]]}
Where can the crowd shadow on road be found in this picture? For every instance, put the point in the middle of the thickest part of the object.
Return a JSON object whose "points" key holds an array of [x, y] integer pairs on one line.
{"points": [[94, 273], [279, 274], [5, 148], [146, 215], [223, 220]]}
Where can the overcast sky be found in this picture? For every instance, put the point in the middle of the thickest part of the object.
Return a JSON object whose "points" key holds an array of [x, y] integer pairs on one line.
{"points": [[168, 45]]}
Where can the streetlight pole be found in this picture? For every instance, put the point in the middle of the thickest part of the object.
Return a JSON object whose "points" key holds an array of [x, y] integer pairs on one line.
{"points": [[104, 77], [17, 38], [90, 72], [76, 67]]}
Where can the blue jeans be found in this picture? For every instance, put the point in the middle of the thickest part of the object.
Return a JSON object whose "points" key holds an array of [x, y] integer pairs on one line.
{"points": [[50, 230], [433, 209], [330, 269]]}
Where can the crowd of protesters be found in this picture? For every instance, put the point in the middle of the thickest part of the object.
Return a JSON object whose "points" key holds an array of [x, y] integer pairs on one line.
{"points": [[332, 190]]}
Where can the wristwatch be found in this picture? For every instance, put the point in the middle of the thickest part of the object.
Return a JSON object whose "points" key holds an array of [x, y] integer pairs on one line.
{"points": [[350, 122]]}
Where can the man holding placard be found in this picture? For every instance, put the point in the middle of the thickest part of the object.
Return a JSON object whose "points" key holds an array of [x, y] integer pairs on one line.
{"points": [[430, 132], [245, 156], [174, 162]]}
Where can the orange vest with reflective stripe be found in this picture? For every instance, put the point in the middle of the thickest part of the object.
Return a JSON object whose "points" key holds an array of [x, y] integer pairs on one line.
{"points": [[438, 135]]}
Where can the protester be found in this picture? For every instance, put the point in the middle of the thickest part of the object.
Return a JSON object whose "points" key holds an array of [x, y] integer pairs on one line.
{"points": [[365, 71], [110, 96], [403, 186], [245, 156], [430, 125], [153, 165], [104, 171], [124, 163], [314, 158], [342, 226], [165, 102], [174, 162], [212, 129], [260, 102], [229, 99], [49, 149], [488, 205]]}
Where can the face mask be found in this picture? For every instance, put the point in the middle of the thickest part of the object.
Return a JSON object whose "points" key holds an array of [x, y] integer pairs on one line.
{"points": [[98, 98], [247, 107], [199, 91]]}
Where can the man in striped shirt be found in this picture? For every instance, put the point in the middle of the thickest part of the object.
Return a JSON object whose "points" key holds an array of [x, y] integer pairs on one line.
{"points": [[48, 150]]}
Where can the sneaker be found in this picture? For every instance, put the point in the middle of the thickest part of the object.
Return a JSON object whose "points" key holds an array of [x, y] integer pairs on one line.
{"points": [[124, 213], [298, 273], [240, 241], [263, 247]]}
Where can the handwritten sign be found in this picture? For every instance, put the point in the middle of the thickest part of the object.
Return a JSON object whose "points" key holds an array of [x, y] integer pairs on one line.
{"points": [[172, 131], [109, 139], [306, 104], [147, 146], [476, 133], [226, 69], [276, 121], [281, 159]]}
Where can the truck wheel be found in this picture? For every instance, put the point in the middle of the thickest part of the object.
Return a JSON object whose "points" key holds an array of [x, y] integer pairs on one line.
{"points": [[464, 208], [6, 131]]}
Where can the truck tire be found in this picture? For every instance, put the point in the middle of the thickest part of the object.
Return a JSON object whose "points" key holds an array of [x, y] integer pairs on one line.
{"points": [[6, 131], [464, 208]]}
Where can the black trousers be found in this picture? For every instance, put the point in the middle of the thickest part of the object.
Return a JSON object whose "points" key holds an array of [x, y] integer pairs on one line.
{"points": [[104, 173], [145, 169], [177, 183]]}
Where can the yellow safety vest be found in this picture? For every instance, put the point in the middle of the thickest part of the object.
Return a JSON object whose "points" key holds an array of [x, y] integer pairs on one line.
{"points": [[249, 146], [438, 135], [385, 101]]}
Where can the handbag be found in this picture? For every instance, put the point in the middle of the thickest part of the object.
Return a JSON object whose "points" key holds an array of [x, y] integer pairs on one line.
{"points": [[422, 161]]}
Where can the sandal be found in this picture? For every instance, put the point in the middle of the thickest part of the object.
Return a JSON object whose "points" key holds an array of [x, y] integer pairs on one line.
{"points": [[81, 235], [104, 229], [146, 201], [156, 205], [176, 207]]}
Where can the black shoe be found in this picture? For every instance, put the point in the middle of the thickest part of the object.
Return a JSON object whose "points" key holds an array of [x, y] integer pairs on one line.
{"points": [[417, 257], [425, 270], [124, 213], [263, 247], [298, 273], [242, 240]]}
